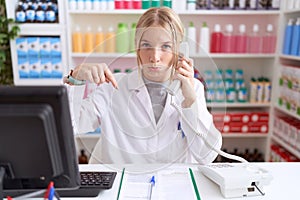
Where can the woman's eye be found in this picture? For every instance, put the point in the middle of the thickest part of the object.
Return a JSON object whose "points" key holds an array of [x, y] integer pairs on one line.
{"points": [[145, 45], [167, 47]]}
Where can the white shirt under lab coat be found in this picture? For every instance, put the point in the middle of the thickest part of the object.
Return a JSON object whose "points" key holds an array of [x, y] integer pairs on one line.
{"points": [[129, 133]]}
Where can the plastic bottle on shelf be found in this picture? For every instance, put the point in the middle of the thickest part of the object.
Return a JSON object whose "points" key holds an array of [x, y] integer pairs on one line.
{"points": [[167, 3], [241, 40], [80, 4], [127, 4], [20, 13], [40, 14], [146, 4], [255, 40], [252, 5], [216, 39], [50, 13], [99, 40], [88, 40], [88, 5], [110, 40], [122, 38], [269, 40], [137, 4], [204, 38], [191, 38], [72, 4], [179, 5], [110, 4], [30, 13], [155, 3], [77, 40], [96, 5], [191, 4], [296, 38], [228, 42], [288, 34], [132, 38]]}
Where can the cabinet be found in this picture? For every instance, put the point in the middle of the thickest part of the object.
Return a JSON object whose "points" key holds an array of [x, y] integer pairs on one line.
{"points": [[55, 68], [286, 97]]}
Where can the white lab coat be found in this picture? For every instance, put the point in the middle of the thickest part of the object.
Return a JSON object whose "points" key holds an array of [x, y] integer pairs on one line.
{"points": [[129, 133]]}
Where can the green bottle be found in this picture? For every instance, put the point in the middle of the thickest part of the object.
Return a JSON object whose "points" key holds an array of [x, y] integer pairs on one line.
{"points": [[122, 38]]}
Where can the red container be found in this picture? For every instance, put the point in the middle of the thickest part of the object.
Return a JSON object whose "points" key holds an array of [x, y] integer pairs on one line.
{"points": [[127, 4], [119, 4], [137, 4]]}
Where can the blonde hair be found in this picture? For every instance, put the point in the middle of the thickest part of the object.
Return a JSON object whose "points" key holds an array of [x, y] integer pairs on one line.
{"points": [[167, 19]]}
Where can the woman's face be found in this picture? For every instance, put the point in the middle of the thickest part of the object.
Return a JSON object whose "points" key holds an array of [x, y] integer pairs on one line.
{"points": [[156, 54]]}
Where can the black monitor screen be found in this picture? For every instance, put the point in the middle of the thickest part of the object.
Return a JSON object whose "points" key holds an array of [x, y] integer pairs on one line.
{"points": [[36, 139]]}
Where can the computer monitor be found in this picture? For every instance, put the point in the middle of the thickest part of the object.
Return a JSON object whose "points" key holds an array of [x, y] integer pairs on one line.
{"points": [[36, 140]]}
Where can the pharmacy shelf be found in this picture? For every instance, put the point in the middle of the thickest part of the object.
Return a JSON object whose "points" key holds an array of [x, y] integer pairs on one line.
{"points": [[238, 105], [244, 135], [195, 12], [40, 29], [37, 81], [290, 113], [296, 58], [292, 11], [96, 136], [287, 146], [133, 55]]}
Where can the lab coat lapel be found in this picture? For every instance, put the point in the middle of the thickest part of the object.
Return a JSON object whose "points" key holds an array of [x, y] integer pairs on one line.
{"points": [[167, 112], [135, 83]]}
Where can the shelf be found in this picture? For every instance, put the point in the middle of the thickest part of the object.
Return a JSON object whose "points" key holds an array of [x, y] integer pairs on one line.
{"points": [[239, 105], [39, 81], [286, 146], [41, 29], [244, 135], [103, 55], [290, 57], [287, 112], [292, 11], [195, 12], [133, 55]]}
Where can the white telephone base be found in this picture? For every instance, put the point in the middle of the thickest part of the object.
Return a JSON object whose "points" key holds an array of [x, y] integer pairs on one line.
{"points": [[238, 179]]}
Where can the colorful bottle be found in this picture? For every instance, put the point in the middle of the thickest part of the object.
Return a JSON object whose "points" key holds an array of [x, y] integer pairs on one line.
{"points": [[191, 38], [132, 38], [155, 3], [77, 40], [137, 4], [122, 38], [216, 40], [228, 42], [20, 13], [110, 40], [99, 40], [241, 40], [254, 41], [167, 3], [269, 40], [296, 38], [287, 42], [204, 38], [88, 40]]}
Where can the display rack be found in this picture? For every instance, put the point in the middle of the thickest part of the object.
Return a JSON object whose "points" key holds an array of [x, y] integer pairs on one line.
{"points": [[39, 30], [253, 65], [282, 61]]}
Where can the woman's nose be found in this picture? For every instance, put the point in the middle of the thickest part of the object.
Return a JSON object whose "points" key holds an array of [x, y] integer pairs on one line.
{"points": [[155, 55]]}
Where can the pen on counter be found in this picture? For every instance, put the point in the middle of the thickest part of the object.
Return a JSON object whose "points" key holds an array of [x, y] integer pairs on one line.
{"points": [[120, 186], [152, 183], [194, 184]]}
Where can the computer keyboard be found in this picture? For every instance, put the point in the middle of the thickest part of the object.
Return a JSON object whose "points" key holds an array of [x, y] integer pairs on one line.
{"points": [[92, 182]]}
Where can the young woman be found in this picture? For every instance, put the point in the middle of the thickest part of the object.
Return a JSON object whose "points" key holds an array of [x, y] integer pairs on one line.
{"points": [[139, 122]]}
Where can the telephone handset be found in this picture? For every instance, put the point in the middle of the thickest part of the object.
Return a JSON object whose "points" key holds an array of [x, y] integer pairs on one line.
{"points": [[175, 84]]}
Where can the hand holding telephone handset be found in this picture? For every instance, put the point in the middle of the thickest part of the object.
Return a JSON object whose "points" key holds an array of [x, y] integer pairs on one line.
{"points": [[175, 84]]}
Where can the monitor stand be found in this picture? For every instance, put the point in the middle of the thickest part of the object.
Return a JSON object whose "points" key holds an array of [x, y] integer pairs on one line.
{"points": [[2, 173]]}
